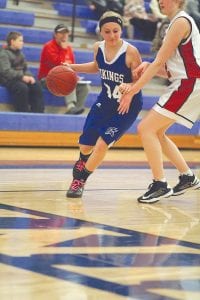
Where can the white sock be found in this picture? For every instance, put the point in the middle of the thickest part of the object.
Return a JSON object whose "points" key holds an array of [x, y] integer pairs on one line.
{"points": [[188, 172], [162, 179]]}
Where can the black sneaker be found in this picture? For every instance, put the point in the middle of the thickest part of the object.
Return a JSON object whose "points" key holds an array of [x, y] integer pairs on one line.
{"points": [[186, 182], [78, 167], [156, 190], [76, 189]]}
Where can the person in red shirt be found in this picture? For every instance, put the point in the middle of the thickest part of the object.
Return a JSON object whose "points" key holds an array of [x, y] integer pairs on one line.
{"points": [[58, 51]]}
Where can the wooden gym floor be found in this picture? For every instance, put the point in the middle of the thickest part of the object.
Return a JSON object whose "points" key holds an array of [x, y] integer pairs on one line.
{"points": [[103, 246]]}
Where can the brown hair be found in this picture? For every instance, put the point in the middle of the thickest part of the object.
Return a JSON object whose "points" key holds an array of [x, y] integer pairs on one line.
{"points": [[13, 35]]}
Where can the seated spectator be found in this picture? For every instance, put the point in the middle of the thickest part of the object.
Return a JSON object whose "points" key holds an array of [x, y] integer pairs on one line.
{"points": [[155, 8], [58, 51], [25, 90], [162, 26], [131, 8], [101, 6], [98, 6], [116, 6], [160, 33], [193, 9], [145, 22]]}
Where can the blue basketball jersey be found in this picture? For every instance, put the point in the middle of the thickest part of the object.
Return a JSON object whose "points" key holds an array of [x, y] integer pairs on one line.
{"points": [[103, 119], [112, 73]]}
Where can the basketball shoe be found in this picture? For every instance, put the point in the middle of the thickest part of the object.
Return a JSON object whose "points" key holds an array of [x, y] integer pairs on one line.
{"points": [[78, 167], [186, 182], [76, 189], [156, 190]]}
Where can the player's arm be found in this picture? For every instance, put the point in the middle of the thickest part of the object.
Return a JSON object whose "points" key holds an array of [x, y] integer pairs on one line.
{"points": [[90, 67], [179, 31], [162, 72], [133, 60]]}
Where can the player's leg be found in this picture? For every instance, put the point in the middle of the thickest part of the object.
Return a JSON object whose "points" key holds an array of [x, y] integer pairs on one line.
{"points": [[187, 179], [71, 103], [36, 97], [84, 168], [87, 142], [82, 91], [80, 173], [85, 152], [148, 129], [20, 94]]}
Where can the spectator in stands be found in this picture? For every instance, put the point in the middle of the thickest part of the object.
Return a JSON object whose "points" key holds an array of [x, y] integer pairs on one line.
{"points": [[101, 6], [115, 59], [131, 8], [155, 8], [58, 51], [162, 25], [145, 23], [193, 9], [25, 90], [98, 6]]}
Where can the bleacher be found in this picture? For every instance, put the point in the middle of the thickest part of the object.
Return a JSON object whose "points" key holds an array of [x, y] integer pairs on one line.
{"points": [[54, 128]]}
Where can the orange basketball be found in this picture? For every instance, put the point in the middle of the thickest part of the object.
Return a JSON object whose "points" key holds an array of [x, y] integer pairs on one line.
{"points": [[61, 80]]}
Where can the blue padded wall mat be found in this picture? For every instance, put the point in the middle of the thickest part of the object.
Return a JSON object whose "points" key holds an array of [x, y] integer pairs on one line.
{"points": [[67, 123], [41, 122]]}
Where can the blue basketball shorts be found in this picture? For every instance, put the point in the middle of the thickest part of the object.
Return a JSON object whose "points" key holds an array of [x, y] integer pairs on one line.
{"points": [[104, 121]]}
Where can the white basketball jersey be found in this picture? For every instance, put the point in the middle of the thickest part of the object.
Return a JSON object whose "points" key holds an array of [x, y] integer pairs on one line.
{"points": [[185, 62]]}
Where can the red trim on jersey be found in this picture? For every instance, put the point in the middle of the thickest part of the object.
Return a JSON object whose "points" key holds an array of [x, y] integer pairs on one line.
{"points": [[180, 96], [191, 66]]}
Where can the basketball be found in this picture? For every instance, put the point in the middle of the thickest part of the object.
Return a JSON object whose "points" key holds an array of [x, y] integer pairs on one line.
{"points": [[61, 80]]}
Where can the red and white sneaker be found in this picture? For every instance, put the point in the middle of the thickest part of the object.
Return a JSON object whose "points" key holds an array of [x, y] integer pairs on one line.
{"points": [[76, 189]]}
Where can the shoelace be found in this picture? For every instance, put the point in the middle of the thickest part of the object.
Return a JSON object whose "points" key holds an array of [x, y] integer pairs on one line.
{"points": [[76, 184], [80, 165]]}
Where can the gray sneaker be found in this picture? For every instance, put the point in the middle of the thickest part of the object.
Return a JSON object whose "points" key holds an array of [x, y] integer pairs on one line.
{"points": [[186, 182]]}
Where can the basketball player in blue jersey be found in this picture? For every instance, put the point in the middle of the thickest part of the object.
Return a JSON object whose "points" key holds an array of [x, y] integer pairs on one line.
{"points": [[115, 59]]}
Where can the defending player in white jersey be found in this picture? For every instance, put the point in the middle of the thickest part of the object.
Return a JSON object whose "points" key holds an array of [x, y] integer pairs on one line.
{"points": [[179, 60]]}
